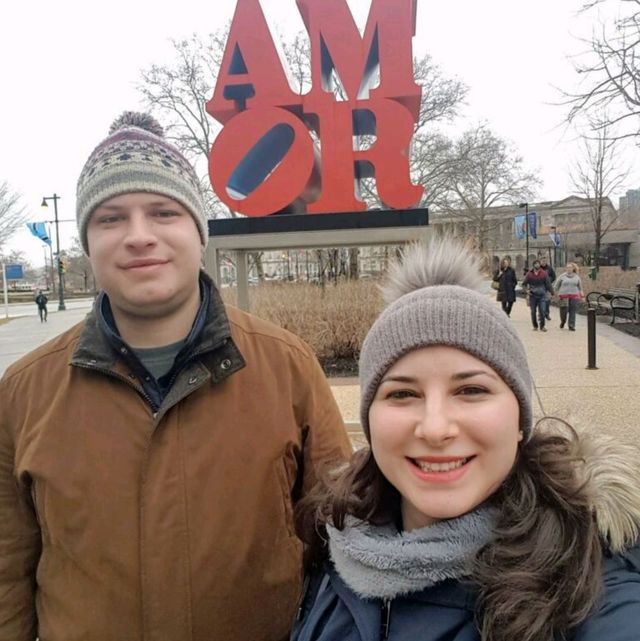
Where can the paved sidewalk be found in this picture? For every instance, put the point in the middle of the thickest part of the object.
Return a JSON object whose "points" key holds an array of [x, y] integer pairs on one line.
{"points": [[20, 335], [606, 399]]}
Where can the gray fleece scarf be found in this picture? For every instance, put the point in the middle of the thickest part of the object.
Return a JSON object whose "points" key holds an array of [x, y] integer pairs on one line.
{"points": [[380, 562]]}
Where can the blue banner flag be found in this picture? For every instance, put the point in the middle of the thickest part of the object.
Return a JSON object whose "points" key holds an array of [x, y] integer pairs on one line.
{"points": [[556, 239], [521, 226], [533, 224], [39, 230]]}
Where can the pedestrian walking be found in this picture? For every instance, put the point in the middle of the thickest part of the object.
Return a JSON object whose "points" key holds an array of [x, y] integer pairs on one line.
{"points": [[538, 285], [151, 457], [462, 520], [568, 288], [506, 281], [551, 273], [41, 301]]}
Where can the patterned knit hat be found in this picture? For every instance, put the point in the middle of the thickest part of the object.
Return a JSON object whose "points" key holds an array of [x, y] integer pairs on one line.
{"points": [[435, 298], [135, 157]]}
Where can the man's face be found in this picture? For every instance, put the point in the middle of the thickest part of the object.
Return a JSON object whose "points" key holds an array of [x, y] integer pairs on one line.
{"points": [[145, 252], [536, 265], [543, 262]]}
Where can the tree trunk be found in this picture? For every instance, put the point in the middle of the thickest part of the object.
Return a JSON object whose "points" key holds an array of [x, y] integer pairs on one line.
{"points": [[354, 263]]}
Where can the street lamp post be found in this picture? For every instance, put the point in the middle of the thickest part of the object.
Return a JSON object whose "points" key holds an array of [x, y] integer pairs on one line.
{"points": [[55, 197], [555, 245], [526, 234]]}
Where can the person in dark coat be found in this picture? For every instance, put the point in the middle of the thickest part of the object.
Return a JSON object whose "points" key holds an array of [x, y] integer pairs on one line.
{"points": [[507, 280], [551, 273], [462, 520], [41, 301], [539, 287]]}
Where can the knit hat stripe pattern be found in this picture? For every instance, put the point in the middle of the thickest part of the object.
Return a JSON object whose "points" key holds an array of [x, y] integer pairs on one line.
{"points": [[451, 315], [135, 157], [136, 177]]}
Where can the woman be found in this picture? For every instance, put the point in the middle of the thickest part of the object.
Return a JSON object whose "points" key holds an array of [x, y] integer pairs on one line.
{"points": [[539, 286], [506, 279], [569, 290], [463, 521]]}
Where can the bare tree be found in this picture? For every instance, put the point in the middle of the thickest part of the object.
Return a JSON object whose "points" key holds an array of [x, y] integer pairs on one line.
{"points": [[79, 275], [178, 92], [484, 171], [442, 99], [596, 175], [12, 212], [610, 72]]}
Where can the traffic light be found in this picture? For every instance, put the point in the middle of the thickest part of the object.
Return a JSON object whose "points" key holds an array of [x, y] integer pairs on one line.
{"points": [[62, 265]]}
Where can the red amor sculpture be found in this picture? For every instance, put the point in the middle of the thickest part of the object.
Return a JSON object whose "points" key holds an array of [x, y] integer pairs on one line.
{"points": [[280, 151]]}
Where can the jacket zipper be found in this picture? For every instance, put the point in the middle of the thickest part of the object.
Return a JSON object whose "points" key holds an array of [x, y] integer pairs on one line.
{"points": [[124, 379], [303, 596], [385, 619]]}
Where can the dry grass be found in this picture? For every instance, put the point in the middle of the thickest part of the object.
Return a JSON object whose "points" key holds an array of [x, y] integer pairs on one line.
{"points": [[333, 320], [608, 277]]}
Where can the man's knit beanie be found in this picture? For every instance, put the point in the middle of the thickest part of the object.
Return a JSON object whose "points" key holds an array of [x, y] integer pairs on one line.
{"points": [[135, 157], [435, 297]]}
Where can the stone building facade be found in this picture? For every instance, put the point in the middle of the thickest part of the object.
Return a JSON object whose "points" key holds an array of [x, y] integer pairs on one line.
{"points": [[568, 221]]}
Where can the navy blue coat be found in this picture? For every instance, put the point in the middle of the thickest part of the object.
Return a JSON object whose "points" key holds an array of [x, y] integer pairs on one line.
{"points": [[330, 611]]}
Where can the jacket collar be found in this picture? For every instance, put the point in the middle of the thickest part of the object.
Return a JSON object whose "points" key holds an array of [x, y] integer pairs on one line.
{"points": [[100, 345]]}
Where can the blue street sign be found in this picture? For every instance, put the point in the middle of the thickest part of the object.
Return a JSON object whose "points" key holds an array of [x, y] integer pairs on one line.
{"points": [[14, 272]]}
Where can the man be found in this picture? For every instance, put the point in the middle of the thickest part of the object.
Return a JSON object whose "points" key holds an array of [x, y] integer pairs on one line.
{"points": [[41, 301], [538, 285], [151, 457], [551, 273]]}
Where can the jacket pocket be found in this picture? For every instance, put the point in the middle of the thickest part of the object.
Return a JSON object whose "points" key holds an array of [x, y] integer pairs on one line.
{"points": [[285, 497], [37, 497]]}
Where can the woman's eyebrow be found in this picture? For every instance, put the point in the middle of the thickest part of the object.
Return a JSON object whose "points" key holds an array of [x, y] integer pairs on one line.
{"points": [[398, 379], [459, 376]]}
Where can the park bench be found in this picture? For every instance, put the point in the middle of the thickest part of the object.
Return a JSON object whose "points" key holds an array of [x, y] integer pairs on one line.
{"points": [[618, 301]]}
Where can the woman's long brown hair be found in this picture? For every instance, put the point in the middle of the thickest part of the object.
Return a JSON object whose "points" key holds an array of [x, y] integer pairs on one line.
{"points": [[541, 575]]}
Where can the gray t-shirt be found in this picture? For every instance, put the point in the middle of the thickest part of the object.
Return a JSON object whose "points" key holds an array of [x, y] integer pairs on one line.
{"points": [[159, 360]]}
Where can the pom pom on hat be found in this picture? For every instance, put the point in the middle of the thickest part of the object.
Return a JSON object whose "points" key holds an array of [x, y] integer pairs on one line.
{"points": [[137, 119], [442, 263]]}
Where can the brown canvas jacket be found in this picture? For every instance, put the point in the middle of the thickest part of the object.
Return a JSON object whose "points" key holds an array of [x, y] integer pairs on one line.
{"points": [[118, 522]]}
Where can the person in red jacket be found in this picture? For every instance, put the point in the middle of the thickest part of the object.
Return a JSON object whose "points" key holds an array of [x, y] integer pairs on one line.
{"points": [[538, 285]]}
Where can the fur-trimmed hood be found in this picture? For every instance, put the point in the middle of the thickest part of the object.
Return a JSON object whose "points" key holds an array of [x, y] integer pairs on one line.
{"points": [[612, 472]]}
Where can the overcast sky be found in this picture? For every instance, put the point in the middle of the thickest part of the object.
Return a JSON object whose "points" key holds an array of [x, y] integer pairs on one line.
{"points": [[69, 68]]}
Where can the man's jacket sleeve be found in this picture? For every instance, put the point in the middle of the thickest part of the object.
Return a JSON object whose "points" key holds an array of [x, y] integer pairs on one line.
{"points": [[19, 541], [326, 442]]}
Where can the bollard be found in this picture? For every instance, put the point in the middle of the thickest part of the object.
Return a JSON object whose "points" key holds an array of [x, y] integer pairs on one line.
{"points": [[591, 337]]}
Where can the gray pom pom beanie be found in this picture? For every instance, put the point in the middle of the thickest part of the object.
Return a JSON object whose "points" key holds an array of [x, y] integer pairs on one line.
{"points": [[135, 157], [435, 300]]}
